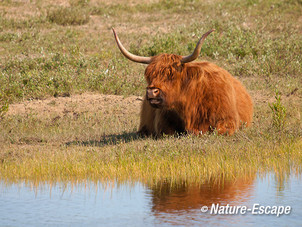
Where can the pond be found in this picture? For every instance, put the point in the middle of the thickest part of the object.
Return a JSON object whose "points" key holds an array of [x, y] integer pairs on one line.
{"points": [[255, 200]]}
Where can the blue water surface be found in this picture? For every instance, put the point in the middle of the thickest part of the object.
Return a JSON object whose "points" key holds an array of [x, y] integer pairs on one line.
{"points": [[136, 204]]}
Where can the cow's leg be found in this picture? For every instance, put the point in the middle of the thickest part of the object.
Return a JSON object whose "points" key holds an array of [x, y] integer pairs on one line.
{"points": [[228, 121], [223, 127], [227, 126], [168, 122], [147, 116], [225, 122], [156, 122]]}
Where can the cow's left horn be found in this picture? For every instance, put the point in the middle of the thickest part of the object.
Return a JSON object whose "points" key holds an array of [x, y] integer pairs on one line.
{"points": [[127, 54], [195, 54]]}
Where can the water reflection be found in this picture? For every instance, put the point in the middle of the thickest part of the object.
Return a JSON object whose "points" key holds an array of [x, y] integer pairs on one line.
{"points": [[180, 204], [184, 196], [136, 204]]}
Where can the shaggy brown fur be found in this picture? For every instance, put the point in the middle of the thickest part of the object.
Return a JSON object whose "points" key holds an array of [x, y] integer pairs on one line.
{"points": [[197, 97]]}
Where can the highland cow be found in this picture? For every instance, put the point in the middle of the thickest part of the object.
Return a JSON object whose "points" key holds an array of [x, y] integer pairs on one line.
{"points": [[195, 97]]}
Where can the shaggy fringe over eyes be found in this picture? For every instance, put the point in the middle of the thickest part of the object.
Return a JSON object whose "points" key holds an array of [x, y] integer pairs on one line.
{"points": [[163, 67]]}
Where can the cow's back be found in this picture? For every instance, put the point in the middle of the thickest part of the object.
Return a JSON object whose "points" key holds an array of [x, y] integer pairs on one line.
{"points": [[244, 101]]}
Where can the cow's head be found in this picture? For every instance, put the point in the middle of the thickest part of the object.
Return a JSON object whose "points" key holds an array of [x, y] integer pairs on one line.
{"points": [[164, 76], [164, 73]]}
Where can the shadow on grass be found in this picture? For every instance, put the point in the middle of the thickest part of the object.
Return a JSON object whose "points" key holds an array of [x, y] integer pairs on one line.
{"points": [[113, 139]]}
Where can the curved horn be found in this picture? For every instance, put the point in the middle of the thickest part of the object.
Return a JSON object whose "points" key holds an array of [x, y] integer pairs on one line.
{"points": [[195, 54], [127, 54]]}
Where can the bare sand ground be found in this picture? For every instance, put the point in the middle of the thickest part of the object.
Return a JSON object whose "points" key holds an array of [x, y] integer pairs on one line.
{"points": [[77, 104], [94, 102]]}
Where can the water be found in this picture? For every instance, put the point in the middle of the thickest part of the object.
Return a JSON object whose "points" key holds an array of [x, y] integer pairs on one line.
{"points": [[136, 204]]}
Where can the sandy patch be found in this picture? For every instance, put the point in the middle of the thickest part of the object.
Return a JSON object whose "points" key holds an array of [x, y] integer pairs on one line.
{"points": [[107, 104], [77, 104]]}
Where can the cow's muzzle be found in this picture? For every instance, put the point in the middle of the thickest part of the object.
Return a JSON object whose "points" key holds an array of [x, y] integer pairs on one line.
{"points": [[154, 97]]}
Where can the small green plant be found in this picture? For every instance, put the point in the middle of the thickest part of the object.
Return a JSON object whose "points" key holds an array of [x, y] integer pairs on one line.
{"points": [[68, 15], [278, 112], [3, 106], [3, 109]]}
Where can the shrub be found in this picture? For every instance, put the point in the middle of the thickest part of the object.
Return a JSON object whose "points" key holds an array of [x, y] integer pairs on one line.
{"points": [[278, 112]]}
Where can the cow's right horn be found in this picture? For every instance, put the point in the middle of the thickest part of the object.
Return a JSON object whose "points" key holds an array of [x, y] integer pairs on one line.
{"points": [[195, 54], [127, 54]]}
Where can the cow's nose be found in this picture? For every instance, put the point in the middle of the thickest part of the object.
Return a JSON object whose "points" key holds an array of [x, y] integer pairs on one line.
{"points": [[152, 93]]}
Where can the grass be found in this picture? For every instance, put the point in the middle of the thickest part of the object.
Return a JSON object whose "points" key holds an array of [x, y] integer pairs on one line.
{"points": [[246, 47], [48, 51], [68, 16], [152, 161]]}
